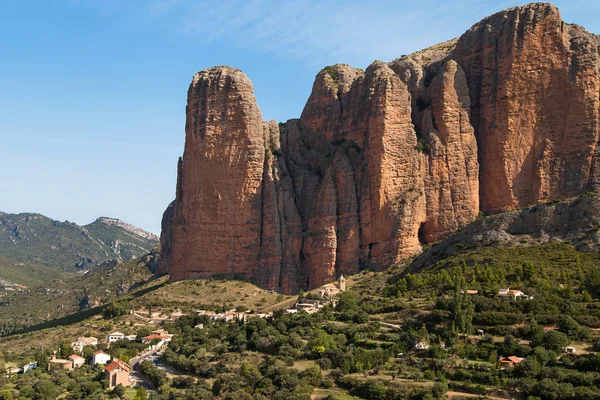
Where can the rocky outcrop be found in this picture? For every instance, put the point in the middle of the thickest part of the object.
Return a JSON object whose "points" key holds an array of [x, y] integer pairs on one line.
{"points": [[573, 221], [534, 87], [217, 212], [384, 160], [452, 177], [166, 240]]}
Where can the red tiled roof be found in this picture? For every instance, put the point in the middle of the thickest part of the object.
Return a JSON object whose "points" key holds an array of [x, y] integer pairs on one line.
{"points": [[112, 366], [98, 352], [75, 357], [115, 364]]}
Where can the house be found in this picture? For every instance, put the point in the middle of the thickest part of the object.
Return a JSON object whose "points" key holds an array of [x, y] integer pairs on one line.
{"points": [[509, 362], [57, 364], [117, 372], [422, 346], [308, 307], [131, 337], [161, 337], [291, 311], [470, 292], [82, 342], [330, 290], [160, 334], [150, 338], [30, 366], [514, 293], [570, 350], [100, 357], [199, 326], [76, 360], [113, 337]]}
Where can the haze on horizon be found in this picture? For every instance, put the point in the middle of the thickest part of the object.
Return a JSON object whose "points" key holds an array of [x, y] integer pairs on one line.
{"points": [[93, 92]]}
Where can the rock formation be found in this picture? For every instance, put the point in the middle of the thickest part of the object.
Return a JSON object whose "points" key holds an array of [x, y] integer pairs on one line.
{"points": [[384, 160], [534, 86], [573, 221]]}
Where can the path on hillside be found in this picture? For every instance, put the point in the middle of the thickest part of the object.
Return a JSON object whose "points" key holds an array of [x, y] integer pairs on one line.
{"points": [[283, 305]]}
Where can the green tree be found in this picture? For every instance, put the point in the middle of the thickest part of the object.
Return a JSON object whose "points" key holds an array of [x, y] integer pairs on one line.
{"points": [[556, 341], [119, 391], [64, 350], [45, 390], [6, 394], [463, 311], [116, 309], [141, 393], [348, 301]]}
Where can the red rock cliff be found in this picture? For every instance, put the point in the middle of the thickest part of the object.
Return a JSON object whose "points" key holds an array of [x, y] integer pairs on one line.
{"points": [[384, 160]]}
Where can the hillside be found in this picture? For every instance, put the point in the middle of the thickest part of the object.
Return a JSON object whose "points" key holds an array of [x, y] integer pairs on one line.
{"points": [[45, 245], [69, 294], [392, 335]]}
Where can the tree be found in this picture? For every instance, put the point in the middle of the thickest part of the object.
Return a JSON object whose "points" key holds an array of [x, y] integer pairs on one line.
{"points": [[88, 353], [119, 391], [348, 301], [45, 390], [462, 313], [141, 393], [554, 340], [116, 309], [64, 350], [6, 394]]}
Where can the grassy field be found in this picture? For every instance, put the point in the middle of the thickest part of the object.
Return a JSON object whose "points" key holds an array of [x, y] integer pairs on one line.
{"points": [[210, 294]]}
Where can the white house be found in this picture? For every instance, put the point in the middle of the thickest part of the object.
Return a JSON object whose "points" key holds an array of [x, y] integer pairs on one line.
{"points": [[113, 337], [30, 366], [82, 342], [514, 293], [100, 357], [77, 361]]}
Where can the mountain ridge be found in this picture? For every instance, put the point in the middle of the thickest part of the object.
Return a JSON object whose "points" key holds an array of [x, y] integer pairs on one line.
{"points": [[37, 240]]}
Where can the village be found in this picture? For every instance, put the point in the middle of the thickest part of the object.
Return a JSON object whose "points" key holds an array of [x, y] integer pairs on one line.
{"points": [[89, 350], [117, 372]]}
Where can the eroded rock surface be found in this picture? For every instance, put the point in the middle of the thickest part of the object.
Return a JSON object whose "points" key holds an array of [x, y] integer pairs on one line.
{"points": [[384, 160], [534, 86]]}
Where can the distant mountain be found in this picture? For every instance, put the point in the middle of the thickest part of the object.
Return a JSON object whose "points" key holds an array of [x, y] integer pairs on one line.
{"points": [[38, 243]]}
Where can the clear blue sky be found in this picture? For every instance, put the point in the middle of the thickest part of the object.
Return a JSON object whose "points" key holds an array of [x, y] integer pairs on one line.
{"points": [[92, 92]]}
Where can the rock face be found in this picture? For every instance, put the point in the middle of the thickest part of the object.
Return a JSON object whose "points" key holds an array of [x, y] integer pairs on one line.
{"points": [[384, 160], [217, 214], [534, 86]]}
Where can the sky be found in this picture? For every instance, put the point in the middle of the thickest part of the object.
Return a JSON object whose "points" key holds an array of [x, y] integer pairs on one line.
{"points": [[92, 92]]}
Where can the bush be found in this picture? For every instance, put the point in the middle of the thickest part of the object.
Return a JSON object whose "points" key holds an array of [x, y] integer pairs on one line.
{"points": [[325, 363]]}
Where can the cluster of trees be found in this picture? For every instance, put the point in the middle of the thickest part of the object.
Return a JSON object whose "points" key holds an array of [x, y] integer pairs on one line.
{"points": [[556, 268], [82, 383], [116, 309]]}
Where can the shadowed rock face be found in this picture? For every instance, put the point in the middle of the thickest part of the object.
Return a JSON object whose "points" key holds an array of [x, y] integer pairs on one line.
{"points": [[384, 160]]}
